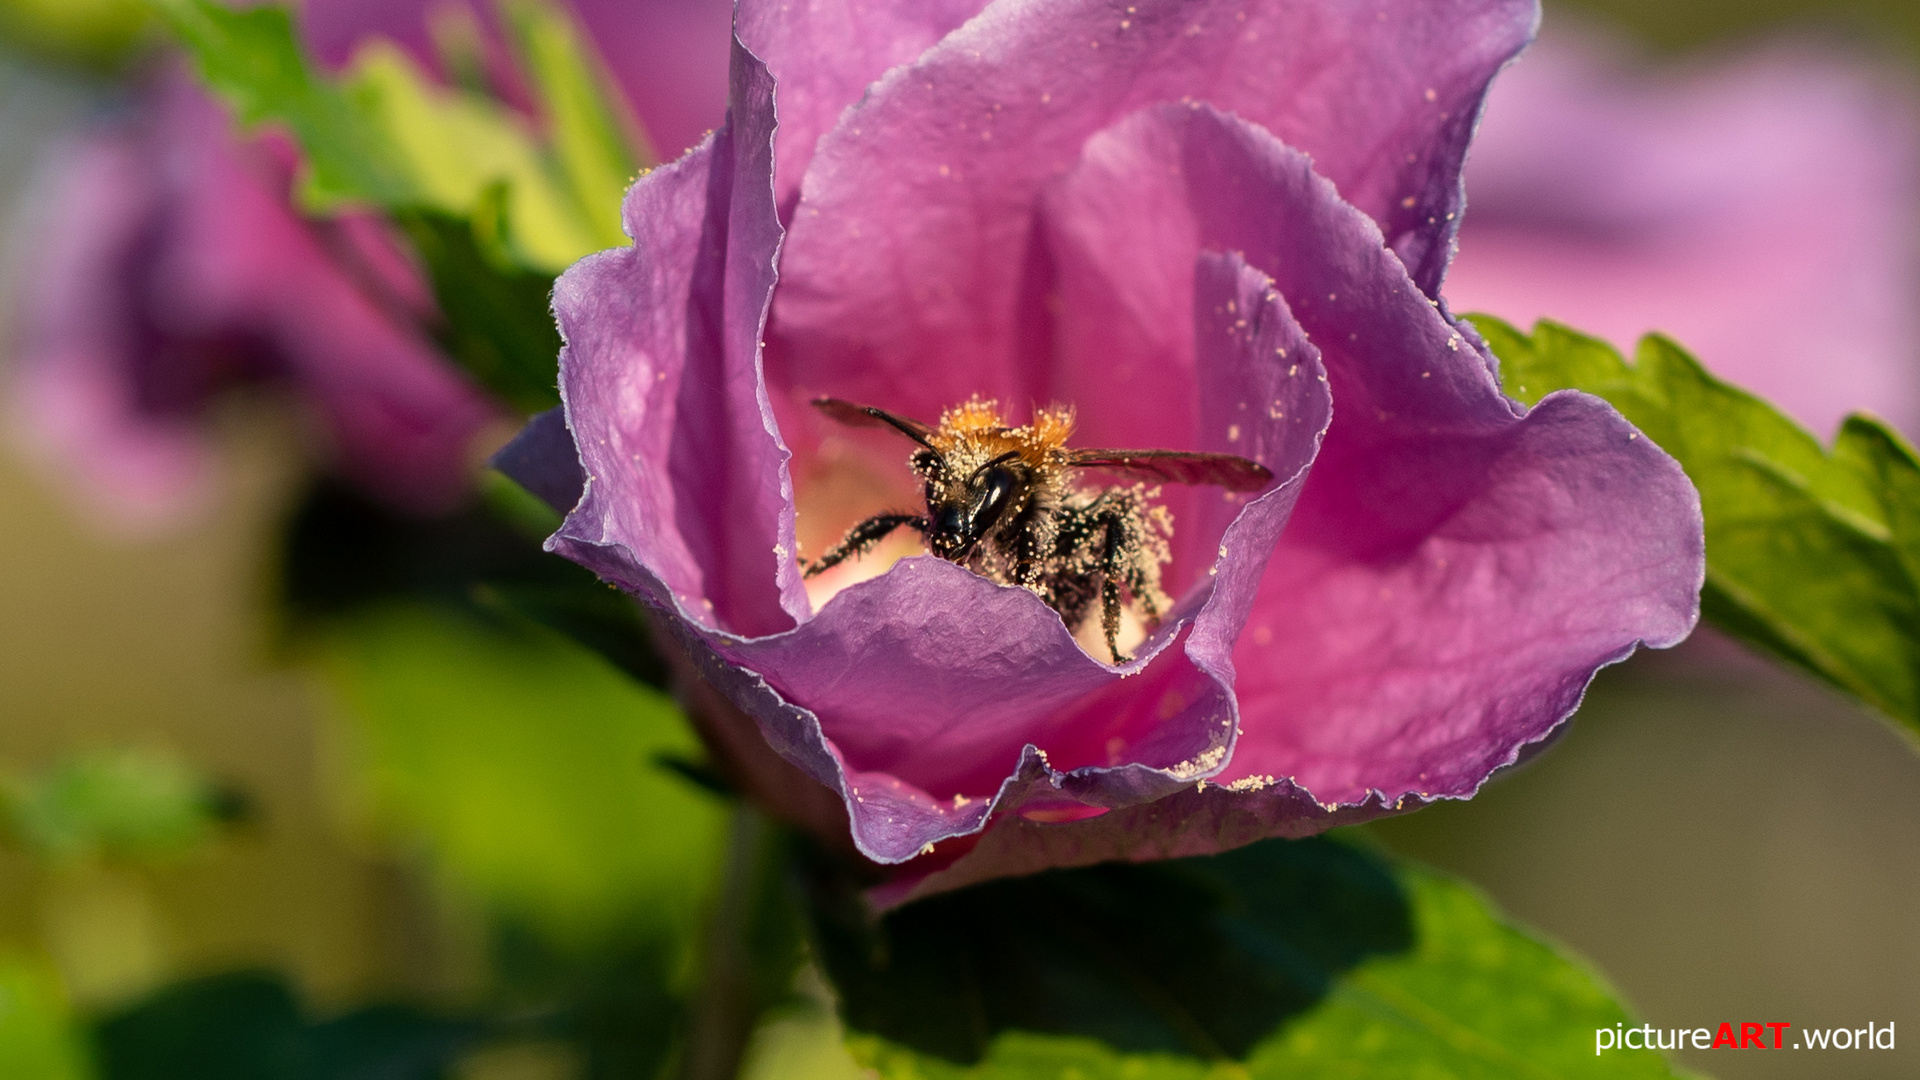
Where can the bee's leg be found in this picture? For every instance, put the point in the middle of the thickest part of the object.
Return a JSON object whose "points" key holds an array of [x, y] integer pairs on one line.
{"points": [[1026, 560], [862, 537], [1141, 569], [1063, 568], [1125, 557], [1114, 550]]}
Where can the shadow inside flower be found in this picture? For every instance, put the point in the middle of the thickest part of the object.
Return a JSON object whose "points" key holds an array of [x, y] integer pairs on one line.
{"points": [[1198, 957]]}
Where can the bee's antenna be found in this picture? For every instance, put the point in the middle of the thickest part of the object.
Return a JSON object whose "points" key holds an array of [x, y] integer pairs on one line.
{"points": [[900, 425], [859, 415]]}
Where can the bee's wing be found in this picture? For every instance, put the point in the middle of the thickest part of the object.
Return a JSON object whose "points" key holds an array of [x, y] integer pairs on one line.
{"points": [[867, 416], [1179, 467]]}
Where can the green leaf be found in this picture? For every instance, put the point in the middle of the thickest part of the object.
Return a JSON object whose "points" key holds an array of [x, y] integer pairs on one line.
{"points": [[388, 135], [594, 137], [455, 147], [38, 1038], [103, 35], [248, 1026], [529, 766], [495, 316], [253, 59], [1283, 959], [344, 553], [1812, 555], [1476, 997], [1197, 956], [802, 1040], [618, 1006], [494, 208], [537, 776], [122, 804]]}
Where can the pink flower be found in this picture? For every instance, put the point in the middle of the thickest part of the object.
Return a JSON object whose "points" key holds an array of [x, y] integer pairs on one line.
{"points": [[171, 270], [1759, 210], [1205, 226]]}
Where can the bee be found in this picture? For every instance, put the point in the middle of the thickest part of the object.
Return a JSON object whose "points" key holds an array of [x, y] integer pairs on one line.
{"points": [[1006, 503]]}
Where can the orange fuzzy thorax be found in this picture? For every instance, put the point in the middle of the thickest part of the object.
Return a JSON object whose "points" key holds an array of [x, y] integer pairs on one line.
{"points": [[977, 429]]}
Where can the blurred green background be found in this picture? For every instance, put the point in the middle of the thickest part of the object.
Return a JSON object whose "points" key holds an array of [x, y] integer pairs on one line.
{"points": [[1728, 842]]}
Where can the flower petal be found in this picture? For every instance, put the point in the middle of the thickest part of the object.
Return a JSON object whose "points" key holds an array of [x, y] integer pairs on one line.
{"points": [[687, 500], [543, 459], [913, 277], [1418, 663], [1454, 573], [824, 53], [1201, 819]]}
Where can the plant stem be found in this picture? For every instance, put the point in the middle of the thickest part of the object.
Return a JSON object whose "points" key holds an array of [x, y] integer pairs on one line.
{"points": [[729, 997]]}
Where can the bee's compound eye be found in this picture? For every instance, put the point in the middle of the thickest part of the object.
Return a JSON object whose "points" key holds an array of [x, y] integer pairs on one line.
{"points": [[996, 490]]}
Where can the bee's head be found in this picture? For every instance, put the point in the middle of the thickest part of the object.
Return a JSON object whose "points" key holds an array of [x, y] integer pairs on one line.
{"points": [[963, 509]]}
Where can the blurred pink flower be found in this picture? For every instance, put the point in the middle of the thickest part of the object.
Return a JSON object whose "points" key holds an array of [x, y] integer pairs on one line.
{"points": [[1760, 210], [169, 269]]}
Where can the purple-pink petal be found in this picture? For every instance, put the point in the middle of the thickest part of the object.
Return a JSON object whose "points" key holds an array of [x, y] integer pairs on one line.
{"points": [[1454, 573], [824, 53], [687, 498], [1199, 819], [914, 277], [1416, 671], [176, 270]]}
